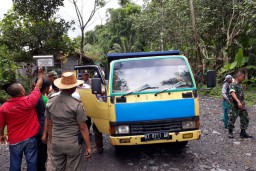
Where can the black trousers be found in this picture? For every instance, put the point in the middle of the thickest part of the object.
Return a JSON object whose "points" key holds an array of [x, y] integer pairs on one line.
{"points": [[88, 123], [42, 154]]}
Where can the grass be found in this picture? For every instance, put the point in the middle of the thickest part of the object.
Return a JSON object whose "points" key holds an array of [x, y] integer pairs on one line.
{"points": [[250, 97]]}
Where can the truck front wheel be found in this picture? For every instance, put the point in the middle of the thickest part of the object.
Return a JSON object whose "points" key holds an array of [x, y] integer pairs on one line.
{"points": [[181, 144]]}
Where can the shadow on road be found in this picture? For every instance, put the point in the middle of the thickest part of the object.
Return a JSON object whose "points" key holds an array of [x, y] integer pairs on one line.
{"points": [[170, 149]]}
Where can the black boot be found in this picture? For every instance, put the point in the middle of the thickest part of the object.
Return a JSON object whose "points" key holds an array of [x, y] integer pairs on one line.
{"points": [[243, 134], [230, 133]]}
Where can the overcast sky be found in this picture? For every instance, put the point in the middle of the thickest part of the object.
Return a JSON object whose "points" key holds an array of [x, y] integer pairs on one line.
{"points": [[68, 12]]}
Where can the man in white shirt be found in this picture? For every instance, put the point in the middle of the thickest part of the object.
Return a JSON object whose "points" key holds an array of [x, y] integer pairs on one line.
{"points": [[226, 99]]}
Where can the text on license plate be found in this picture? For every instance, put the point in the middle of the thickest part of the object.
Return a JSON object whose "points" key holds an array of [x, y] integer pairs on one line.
{"points": [[157, 136]]}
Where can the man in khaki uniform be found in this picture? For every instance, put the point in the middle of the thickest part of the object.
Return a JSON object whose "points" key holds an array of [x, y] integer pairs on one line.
{"points": [[66, 118]]}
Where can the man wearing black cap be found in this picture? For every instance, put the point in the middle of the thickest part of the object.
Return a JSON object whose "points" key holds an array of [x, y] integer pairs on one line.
{"points": [[52, 75]]}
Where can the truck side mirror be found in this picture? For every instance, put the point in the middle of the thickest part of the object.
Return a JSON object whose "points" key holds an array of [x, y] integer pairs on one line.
{"points": [[211, 78], [96, 86]]}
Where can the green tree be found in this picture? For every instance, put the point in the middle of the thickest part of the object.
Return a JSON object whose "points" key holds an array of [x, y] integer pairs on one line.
{"points": [[31, 29], [118, 34], [7, 72], [166, 24], [29, 38], [211, 34], [221, 23], [36, 9], [124, 2], [84, 21]]}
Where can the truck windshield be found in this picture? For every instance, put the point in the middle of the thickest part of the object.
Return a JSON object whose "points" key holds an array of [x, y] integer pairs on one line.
{"points": [[161, 73]]}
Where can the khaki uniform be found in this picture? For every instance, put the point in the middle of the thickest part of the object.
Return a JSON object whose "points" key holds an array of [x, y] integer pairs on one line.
{"points": [[65, 113]]}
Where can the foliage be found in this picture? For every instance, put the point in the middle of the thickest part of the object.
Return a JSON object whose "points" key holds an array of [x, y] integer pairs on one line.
{"points": [[249, 94], [29, 29], [216, 91], [166, 21], [240, 60], [29, 32], [93, 52], [7, 72], [37, 9], [226, 31], [26, 82], [3, 96], [84, 21], [223, 27], [31, 38], [117, 35]]}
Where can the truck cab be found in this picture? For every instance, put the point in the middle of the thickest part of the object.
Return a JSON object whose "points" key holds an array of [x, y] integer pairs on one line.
{"points": [[145, 98]]}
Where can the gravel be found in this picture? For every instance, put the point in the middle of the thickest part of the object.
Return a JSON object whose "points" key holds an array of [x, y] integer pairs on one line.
{"points": [[213, 152]]}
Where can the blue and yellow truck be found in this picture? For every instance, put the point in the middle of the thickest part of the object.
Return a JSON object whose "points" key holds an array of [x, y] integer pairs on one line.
{"points": [[147, 98]]}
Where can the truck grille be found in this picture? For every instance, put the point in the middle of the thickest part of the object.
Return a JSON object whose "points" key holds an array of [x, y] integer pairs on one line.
{"points": [[158, 126]]}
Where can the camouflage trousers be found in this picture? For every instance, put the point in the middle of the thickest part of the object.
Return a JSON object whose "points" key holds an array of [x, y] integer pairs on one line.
{"points": [[234, 113]]}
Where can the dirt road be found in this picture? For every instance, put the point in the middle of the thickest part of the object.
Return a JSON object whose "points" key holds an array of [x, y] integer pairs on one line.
{"points": [[214, 151]]}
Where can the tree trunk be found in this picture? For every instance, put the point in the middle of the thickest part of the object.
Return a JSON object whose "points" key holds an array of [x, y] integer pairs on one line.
{"points": [[225, 55], [195, 35], [81, 47], [162, 27]]}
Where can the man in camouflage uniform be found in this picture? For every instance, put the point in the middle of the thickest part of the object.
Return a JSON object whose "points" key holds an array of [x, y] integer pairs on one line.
{"points": [[237, 107], [199, 76]]}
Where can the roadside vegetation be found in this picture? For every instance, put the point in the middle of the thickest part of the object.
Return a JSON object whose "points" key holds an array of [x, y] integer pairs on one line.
{"points": [[220, 35], [250, 92]]}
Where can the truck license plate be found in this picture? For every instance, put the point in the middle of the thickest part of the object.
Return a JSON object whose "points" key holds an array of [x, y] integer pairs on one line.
{"points": [[157, 136]]}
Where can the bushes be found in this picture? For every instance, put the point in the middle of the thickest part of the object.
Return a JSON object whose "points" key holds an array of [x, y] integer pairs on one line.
{"points": [[250, 96], [250, 92], [7, 77], [216, 91], [3, 96]]}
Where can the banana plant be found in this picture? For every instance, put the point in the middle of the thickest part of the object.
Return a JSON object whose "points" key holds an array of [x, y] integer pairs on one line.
{"points": [[240, 61]]}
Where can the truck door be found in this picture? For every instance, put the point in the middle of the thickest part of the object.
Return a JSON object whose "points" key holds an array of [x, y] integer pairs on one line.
{"points": [[94, 105]]}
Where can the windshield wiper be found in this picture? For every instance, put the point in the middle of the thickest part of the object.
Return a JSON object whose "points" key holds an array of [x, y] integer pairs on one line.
{"points": [[144, 88], [178, 84]]}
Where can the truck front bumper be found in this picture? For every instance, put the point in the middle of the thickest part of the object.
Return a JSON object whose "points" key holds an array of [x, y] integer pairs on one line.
{"points": [[140, 139]]}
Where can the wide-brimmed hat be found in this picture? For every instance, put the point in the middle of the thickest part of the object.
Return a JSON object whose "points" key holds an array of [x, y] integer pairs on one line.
{"points": [[67, 81], [228, 77]]}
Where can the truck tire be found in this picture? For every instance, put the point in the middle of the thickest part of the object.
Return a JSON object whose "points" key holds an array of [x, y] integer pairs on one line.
{"points": [[181, 144], [120, 150]]}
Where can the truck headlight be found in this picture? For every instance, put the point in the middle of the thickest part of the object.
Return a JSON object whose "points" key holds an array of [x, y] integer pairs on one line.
{"points": [[188, 125], [122, 129]]}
